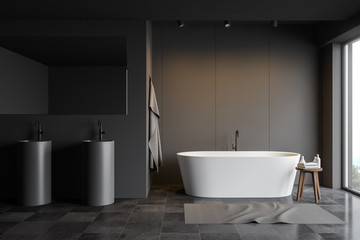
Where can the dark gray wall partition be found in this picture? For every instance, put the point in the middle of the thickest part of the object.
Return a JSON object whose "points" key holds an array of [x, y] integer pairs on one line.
{"points": [[331, 115], [67, 131], [212, 80], [24, 86], [148, 76]]}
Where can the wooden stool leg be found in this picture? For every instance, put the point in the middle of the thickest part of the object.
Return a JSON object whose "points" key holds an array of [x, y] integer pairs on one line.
{"points": [[300, 185], [299, 188], [314, 175], [318, 185]]}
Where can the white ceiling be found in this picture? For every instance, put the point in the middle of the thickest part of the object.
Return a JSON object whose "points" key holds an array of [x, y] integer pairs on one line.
{"points": [[241, 10]]}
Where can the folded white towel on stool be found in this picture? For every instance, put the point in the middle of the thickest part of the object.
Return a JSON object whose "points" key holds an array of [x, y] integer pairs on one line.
{"points": [[310, 165]]}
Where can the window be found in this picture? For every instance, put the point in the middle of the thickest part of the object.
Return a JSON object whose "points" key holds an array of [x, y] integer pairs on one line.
{"points": [[351, 114]]}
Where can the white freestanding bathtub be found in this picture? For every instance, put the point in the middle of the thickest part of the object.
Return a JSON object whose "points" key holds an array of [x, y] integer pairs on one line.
{"points": [[238, 174]]}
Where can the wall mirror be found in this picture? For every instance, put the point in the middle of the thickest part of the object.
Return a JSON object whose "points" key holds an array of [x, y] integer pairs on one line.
{"points": [[63, 75]]}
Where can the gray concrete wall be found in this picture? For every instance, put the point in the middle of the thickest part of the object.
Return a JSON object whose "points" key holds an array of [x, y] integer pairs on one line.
{"points": [[212, 81]]}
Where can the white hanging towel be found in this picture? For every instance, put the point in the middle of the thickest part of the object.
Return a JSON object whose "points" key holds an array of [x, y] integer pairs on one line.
{"points": [[156, 159]]}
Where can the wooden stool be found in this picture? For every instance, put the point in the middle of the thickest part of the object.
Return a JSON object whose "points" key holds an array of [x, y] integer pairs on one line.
{"points": [[315, 177]]}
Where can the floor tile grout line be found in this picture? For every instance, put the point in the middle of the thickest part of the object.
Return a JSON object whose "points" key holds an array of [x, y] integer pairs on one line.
{"points": [[132, 212], [163, 217]]}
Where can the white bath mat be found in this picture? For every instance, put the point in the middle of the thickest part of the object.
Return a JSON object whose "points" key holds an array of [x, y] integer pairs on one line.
{"points": [[260, 212]]}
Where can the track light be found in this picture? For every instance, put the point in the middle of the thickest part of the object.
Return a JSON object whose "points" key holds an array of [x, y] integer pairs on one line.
{"points": [[274, 23], [180, 23], [227, 23]]}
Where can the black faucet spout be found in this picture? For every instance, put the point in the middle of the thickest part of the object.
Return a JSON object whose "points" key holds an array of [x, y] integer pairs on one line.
{"points": [[236, 140], [101, 131], [39, 130]]}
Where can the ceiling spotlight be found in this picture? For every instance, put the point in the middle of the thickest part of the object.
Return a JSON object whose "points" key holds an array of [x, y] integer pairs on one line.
{"points": [[180, 23], [227, 23], [274, 23]]}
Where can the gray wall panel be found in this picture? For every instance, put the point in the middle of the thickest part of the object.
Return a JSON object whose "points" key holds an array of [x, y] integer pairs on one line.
{"points": [[294, 114], [242, 87], [294, 92], [188, 93], [265, 87]]}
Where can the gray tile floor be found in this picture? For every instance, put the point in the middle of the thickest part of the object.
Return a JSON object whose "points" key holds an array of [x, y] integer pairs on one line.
{"points": [[161, 216]]}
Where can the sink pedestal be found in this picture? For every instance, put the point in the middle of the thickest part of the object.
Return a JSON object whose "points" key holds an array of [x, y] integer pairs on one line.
{"points": [[34, 168], [99, 164]]}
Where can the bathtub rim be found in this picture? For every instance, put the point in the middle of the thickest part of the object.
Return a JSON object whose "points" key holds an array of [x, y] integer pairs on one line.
{"points": [[233, 154]]}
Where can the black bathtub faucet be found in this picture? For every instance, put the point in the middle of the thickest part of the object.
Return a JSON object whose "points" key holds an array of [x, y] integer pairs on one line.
{"points": [[39, 130], [101, 132], [236, 138]]}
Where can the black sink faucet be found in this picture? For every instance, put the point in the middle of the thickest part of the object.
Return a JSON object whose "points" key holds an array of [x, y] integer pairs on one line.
{"points": [[236, 138], [101, 132], [39, 130]]}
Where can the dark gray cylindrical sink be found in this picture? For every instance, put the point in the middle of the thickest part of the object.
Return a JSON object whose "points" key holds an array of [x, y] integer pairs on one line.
{"points": [[34, 169], [98, 157]]}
